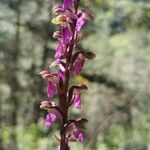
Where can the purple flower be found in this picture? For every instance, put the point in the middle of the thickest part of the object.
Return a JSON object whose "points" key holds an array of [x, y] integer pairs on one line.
{"points": [[66, 36], [50, 119], [78, 64], [52, 80], [54, 112], [51, 89], [74, 95], [83, 17], [59, 63], [78, 60], [74, 129], [79, 134]]}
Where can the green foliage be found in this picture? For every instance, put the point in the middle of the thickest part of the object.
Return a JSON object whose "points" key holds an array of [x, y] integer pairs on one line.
{"points": [[134, 144], [114, 138]]}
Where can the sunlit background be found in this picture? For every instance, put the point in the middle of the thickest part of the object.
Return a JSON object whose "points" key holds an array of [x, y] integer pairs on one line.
{"points": [[117, 103]]}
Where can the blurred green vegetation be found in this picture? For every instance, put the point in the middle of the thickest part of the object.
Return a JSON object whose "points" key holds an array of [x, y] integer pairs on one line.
{"points": [[118, 101]]}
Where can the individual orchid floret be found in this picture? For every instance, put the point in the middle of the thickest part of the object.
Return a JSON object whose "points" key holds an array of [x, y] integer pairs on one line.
{"points": [[54, 112], [52, 80], [83, 17], [78, 64], [74, 129], [64, 36], [79, 59], [75, 95], [60, 64]]}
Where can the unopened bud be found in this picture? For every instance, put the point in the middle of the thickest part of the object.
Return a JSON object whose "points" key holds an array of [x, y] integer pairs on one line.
{"points": [[61, 19]]}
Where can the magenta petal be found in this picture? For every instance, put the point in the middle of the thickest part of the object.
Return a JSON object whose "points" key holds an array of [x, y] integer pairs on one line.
{"points": [[67, 35], [50, 119], [78, 65], [59, 50], [80, 23], [79, 135], [51, 89], [61, 75], [77, 100], [67, 4]]}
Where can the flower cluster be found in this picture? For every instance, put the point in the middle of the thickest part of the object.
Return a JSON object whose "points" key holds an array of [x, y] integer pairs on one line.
{"points": [[69, 62]]}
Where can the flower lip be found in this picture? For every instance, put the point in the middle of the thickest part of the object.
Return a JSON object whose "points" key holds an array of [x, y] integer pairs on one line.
{"points": [[50, 119], [51, 88], [79, 134]]}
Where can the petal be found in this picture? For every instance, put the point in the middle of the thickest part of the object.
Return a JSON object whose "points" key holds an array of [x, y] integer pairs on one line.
{"points": [[78, 64], [50, 119], [77, 100], [67, 35], [62, 75], [79, 135], [51, 89], [80, 23], [61, 67], [59, 50], [67, 4]]}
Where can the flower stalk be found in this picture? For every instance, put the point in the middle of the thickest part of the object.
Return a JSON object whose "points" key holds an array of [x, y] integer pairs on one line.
{"points": [[69, 63]]}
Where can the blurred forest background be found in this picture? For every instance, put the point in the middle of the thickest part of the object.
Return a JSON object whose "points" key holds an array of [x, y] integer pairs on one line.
{"points": [[117, 103]]}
